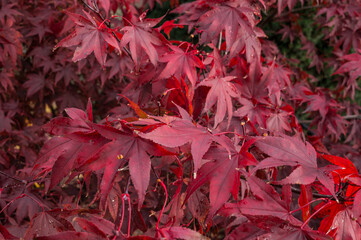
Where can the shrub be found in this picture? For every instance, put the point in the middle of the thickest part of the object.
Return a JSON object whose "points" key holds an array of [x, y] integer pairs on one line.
{"points": [[182, 120]]}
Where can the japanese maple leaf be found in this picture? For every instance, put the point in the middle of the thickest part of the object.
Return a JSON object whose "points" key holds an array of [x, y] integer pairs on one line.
{"points": [[228, 17], [222, 173], [221, 93], [5, 122], [43, 224], [8, 11], [290, 232], [254, 111], [126, 145], [36, 83], [282, 4], [351, 66], [246, 230], [248, 42], [292, 152], [350, 35], [253, 85], [178, 233], [270, 203], [180, 64], [89, 36], [278, 122], [312, 53], [6, 80], [71, 235], [346, 172], [141, 37], [25, 207], [4, 233], [10, 39], [222, 89], [78, 142], [347, 169], [356, 210], [278, 78], [287, 32], [179, 131], [346, 225], [168, 26]]}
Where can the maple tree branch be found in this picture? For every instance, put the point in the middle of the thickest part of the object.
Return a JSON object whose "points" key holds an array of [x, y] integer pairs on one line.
{"points": [[298, 10], [8, 204], [268, 18], [14, 178], [88, 6], [95, 6], [351, 117], [273, 13], [347, 117], [314, 194]]}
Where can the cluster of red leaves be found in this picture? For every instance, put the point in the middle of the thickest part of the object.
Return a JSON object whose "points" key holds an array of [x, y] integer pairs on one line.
{"points": [[216, 137]]}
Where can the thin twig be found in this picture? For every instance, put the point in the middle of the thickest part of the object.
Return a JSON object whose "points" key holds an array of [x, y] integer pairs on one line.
{"points": [[219, 41], [14, 178], [299, 10], [350, 117], [297, 190], [273, 13], [347, 117]]}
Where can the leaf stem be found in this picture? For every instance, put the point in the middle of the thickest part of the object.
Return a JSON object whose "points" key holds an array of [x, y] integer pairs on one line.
{"points": [[313, 214], [7, 205], [318, 199], [166, 196], [165, 202], [121, 220], [129, 212], [42, 207]]}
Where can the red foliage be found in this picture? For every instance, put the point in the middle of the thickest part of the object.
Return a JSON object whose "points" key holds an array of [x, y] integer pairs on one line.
{"points": [[220, 136]]}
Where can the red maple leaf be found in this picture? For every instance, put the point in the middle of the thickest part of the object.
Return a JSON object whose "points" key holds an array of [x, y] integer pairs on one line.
{"points": [[79, 142], [281, 5], [221, 93], [125, 145], [352, 67], [10, 41], [278, 122], [141, 37], [270, 203], [91, 35], [178, 233], [43, 224], [222, 173], [292, 152], [180, 131], [346, 225], [181, 63], [222, 90], [228, 17]]}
